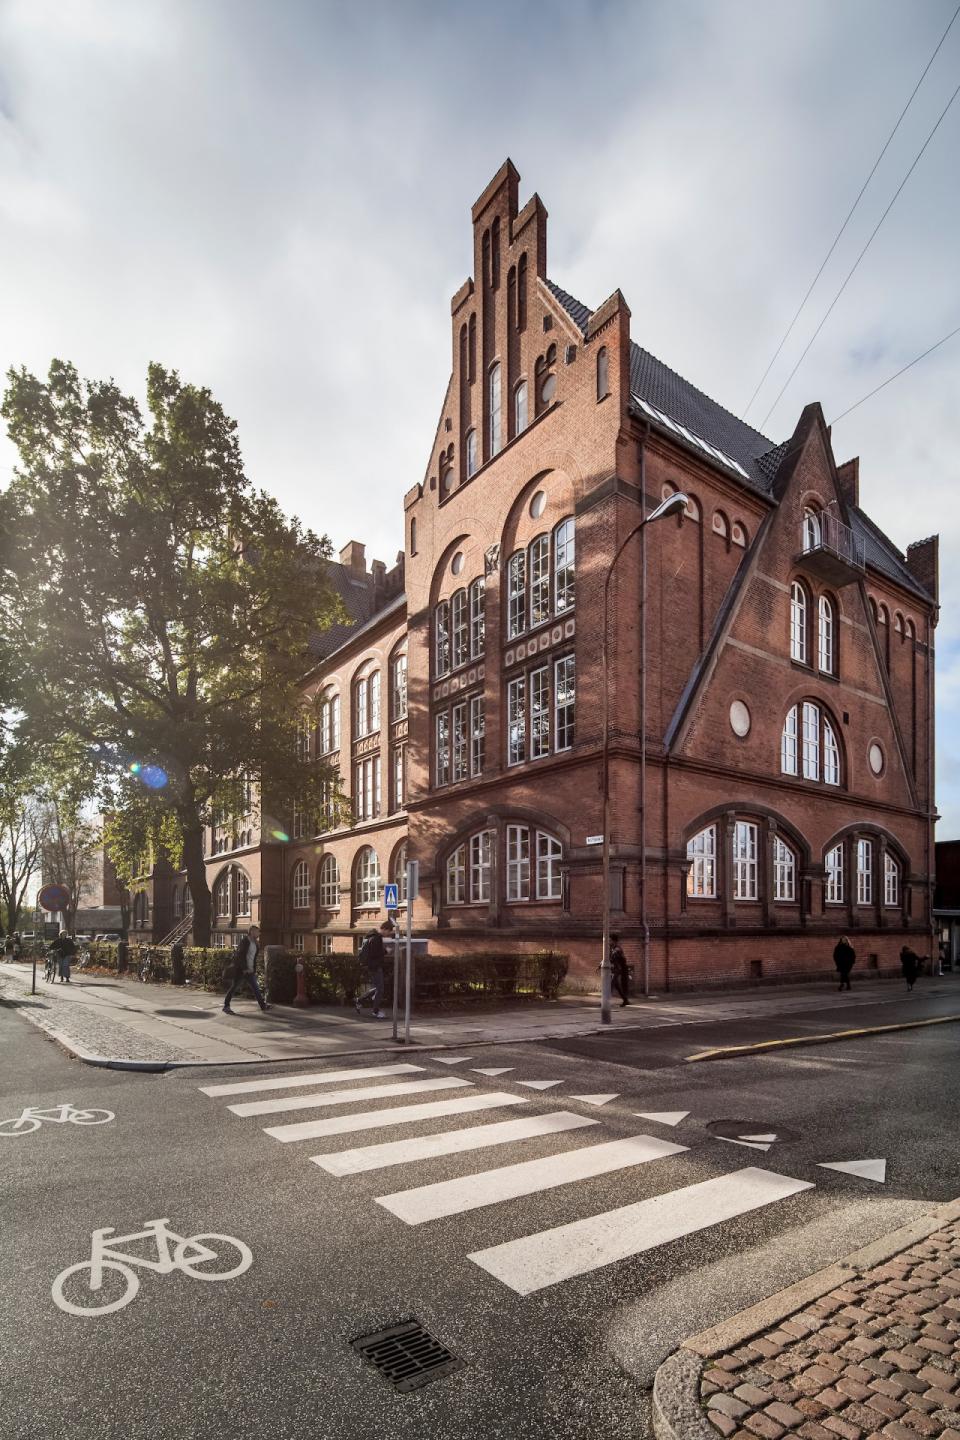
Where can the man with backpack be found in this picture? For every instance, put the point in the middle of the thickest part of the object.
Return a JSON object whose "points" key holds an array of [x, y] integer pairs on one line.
{"points": [[245, 969], [372, 955]]}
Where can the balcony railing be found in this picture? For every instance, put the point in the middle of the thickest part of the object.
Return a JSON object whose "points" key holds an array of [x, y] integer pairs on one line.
{"points": [[831, 549]]}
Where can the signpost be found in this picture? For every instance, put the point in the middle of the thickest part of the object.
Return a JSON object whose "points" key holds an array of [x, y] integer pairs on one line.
{"points": [[391, 897], [55, 899]]}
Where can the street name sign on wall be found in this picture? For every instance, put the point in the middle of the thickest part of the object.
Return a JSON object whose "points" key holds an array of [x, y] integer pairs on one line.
{"points": [[54, 898]]}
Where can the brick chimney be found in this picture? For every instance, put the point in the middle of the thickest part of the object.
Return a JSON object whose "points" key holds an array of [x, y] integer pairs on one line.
{"points": [[848, 475], [352, 556], [923, 562], [379, 572]]}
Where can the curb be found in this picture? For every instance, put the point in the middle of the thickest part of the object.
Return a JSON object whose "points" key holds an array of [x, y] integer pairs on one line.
{"points": [[677, 1410], [727, 1052]]}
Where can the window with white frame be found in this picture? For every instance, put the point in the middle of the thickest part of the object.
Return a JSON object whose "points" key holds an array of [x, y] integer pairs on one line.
{"points": [[471, 453], [811, 529], [784, 871], [476, 619], [518, 862], [540, 580], [441, 638], [328, 883], [521, 409], [400, 872], [298, 822], [517, 721], [222, 895], [366, 788], [493, 407], [367, 704], [443, 749], [481, 850], [304, 736], [564, 545], [325, 945], [864, 872], [539, 712], [826, 650], [808, 744], [398, 693], [565, 702], [891, 880], [329, 724], [831, 755], [243, 893], [541, 722], [833, 870], [810, 741], [798, 622], [367, 877], [460, 633], [744, 860], [331, 787], [460, 746], [298, 942], [549, 855], [516, 595], [702, 854], [789, 751], [398, 777], [301, 885], [457, 876]]}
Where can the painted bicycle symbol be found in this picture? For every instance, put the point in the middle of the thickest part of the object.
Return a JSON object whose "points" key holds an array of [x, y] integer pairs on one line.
{"points": [[33, 1117], [193, 1255]]}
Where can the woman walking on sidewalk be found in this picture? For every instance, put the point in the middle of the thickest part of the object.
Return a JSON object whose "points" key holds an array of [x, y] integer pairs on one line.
{"points": [[910, 965], [843, 957]]}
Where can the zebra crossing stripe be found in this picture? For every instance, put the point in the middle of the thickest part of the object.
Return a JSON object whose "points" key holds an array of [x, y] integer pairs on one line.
{"points": [[399, 1115], [528, 1177], [536, 1261], [448, 1142], [321, 1077], [346, 1097]]}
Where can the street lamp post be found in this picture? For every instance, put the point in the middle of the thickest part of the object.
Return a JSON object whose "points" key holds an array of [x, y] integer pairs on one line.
{"points": [[671, 506]]}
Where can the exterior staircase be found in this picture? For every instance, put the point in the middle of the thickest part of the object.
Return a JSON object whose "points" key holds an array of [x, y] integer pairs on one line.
{"points": [[179, 932]]}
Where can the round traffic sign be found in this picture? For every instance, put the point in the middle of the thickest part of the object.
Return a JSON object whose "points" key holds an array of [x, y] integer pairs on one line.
{"points": [[54, 898]]}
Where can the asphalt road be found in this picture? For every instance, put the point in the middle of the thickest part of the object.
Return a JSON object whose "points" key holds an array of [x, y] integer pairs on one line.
{"points": [[268, 1353]]}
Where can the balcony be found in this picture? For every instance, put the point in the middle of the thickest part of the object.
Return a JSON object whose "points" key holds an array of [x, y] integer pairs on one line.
{"points": [[831, 551]]}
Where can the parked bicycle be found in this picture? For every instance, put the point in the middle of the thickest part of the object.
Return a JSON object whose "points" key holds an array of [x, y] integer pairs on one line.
{"points": [[33, 1117], [189, 1254]]}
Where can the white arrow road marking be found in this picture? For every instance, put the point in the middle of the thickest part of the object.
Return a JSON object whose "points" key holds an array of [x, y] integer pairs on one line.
{"points": [[320, 1077], [346, 1097], [748, 1144], [595, 1099], [539, 1084], [769, 1138], [536, 1261], [866, 1169], [399, 1115], [528, 1177], [449, 1142], [451, 1059], [663, 1117], [494, 1070]]}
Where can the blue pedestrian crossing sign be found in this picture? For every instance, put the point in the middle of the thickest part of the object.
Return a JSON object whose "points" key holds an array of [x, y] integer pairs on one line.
{"points": [[391, 897]]}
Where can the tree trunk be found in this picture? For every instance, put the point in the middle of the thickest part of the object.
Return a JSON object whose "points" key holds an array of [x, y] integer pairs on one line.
{"points": [[197, 880]]}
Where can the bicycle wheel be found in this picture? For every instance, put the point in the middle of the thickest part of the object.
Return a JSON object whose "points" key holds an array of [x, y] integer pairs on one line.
{"points": [[19, 1127], [92, 1117], [190, 1267], [131, 1288]]}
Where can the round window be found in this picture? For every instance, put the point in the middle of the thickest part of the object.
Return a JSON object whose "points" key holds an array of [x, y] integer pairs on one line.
{"points": [[456, 564], [875, 756], [538, 504], [548, 389], [739, 719]]}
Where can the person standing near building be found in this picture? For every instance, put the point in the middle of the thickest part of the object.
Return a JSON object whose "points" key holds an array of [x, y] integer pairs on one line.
{"points": [[372, 955], [245, 969], [843, 957], [910, 965], [68, 950], [621, 975]]}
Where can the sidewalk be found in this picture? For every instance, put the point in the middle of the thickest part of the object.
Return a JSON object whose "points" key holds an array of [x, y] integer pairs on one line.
{"points": [[105, 1018], [868, 1348]]}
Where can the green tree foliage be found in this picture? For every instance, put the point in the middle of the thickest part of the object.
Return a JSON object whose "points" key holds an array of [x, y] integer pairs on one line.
{"points": [[157, 606], [23, 828]]}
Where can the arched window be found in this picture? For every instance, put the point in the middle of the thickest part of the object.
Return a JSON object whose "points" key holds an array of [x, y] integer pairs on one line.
{"points": [[540, 580], [564, 543], [366, 704], [549, 856], [691, 510], [831, 755], [827, 654], [864, 871], [460, 647], [222, 896], [329, 723], [522, 292], [328, 883], [398, 687], [809, 745], [745, 860], [738, 535], [883, 624], [891, 880], [520, 412], [493, 408], [367, 877], [441, 635], [798, 623], [413, 536], [833, 875], [457, 876], [304, 736], [243, 893], [720, 525], [784, 871], [603, 373], [472, 349], [811, 529], [702, 874], [446, 477], [898, 625], [477, 588], [516, 595], [495, 254], [400, 872], [471, 453], [301, 885]]}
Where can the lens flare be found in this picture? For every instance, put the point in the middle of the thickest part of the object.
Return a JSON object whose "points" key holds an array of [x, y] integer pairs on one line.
{"points": [[135, 768], [279, 834], [154, 777]]}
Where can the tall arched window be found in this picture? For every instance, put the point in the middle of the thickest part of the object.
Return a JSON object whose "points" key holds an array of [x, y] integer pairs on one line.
{"points": [[413, 536], [520, 412], [798, 623], [328, 883], [827, 655], [833, 873], [472, 348], [522, 292], [808, 744], [471, 453], [366, 704], [243, 893], [442, 638], [301, 885], [495, 253], [399, 876], [476, 618], [516, 595], [222, 896], [891, 880], [493, 409], [564, 545], [603, 373], [883, 630], [329, 723], [398, 687], [460, 635], [304, 736], [540, 579], [784, 871], [811, 529], [702, 874], [367, 877], [177, 903]]}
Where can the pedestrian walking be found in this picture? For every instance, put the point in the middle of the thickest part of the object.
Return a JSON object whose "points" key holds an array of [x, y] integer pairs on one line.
{"points": [[177, 959], [843, 957], [68, 950], [372, 955], [910, 965], [621, 975], [16, 946], [245, 969]]}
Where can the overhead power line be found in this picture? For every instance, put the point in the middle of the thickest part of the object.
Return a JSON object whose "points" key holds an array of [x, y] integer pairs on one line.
{"points": [[837, 237], [853, 268], [902, 371]]}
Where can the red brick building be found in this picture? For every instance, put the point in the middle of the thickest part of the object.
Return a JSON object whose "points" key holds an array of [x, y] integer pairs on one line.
{"points": [[789, 670]]}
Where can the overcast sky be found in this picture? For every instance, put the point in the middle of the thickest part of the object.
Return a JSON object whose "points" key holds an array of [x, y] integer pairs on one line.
{"points": [[274, 197]]}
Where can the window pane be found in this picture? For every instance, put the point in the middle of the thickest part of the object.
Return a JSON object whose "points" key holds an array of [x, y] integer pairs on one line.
{"points": [[564, 545], [360, 716], [826, 635], [831, 755], [702, 875], [476, 619], [811, 741], [549, 853], [518, 862], [400, 687], [834, 875], [477, 726], [540, 580], [891, 881], [517, 595], [521, 407], [798, 623], [784, 871], [442, 638], [375, 700], [443, 749], [516, 722], [460, 633], [539, 713], [565, 700], [744, 861], [471, 453], [788, 743], [494, 407], [456, 876], [864, 872], [480, 850], [460, 741]]}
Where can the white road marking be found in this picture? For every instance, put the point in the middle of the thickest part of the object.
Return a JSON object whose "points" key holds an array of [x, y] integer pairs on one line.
{"points": [[495, 1070], [319, 1077], [449, 1142], [663, 1117], [747, 1144], [595, 1099], [769, 1138], [528, 1177], [451, 1059], [346, 1097], [866, 1169], [536, 1261], [399, 1115], [539, 1084]]}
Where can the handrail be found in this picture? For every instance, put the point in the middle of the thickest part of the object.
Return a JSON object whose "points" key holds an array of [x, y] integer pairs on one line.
{"points": [[833, 535], [178, 932]]}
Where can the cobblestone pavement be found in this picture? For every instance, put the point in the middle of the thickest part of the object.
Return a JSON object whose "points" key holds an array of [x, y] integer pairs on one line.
{"points": [[878, 1356], [93, 1032]]}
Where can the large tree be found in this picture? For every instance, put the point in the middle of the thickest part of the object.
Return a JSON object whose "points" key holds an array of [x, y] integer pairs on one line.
{"points": [[158, 607], [23, 828]]}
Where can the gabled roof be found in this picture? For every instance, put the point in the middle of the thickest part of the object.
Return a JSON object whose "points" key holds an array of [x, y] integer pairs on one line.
{"points": [[881, 554], [361, 599]]}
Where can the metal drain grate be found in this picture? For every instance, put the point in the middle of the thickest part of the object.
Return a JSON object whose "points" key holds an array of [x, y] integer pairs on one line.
{"points": [[407, 1355]]}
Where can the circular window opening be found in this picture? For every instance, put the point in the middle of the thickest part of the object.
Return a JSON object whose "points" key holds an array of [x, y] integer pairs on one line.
{"points": [[875, 757], [739, 719], [548, 389], [456, 564], [538, 504]]}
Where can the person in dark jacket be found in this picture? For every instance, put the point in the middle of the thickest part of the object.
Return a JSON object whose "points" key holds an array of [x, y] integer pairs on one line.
{"points": [[245, 969], [372, 954], [621, 975], [843, 957], [910, 965], [177, 962]]}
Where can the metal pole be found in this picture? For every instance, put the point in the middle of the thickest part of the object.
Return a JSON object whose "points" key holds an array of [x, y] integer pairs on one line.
{"points": [[396, 983], [606, 1017], [645, 927], [409, 948], [33, 983]]}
